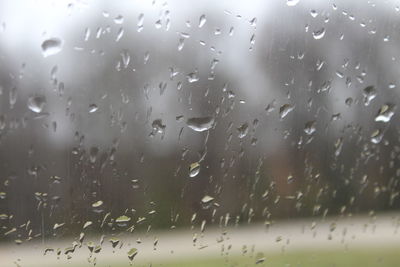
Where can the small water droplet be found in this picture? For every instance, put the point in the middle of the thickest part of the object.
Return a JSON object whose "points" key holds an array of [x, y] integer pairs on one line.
{"points": [[348, 101], [51, 46], [292, 2], [309, 127], [284, 110], [376, 136], [122, 220], [369, 94], [158, 126], [253, 22], [120, 33], [385, 113], [243, 130], [58, 225], [87, 224], [260, 258], [140, 22], [318, 34], [87, 34], [202, 20], [200, 124], [313, 13], [194, 169], [36, 103], [158, 24], [93, 108], [97, 204], [206, 201], [114, 241], [290, 179], [132, 253], [119, 19], [192, 77]]}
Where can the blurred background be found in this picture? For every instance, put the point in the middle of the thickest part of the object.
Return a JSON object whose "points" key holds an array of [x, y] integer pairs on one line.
{"points": [[135, 115]]}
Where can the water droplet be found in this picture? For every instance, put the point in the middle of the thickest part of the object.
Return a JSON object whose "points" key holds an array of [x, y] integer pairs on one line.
{"points": [[120, 33], [369, 94], [202, 20], [336, 117], [146, 57], [253, 22], [313, 13], [252, 39], [309, 127], [348, 101], [158, 126], [132, 253], [47, 250], [284, 110], [58, 225], [158, 24], [87, 34], [114, 241], [243, 130], [206, 201], [292, 2], [87, 224], [385, 113], [36, 103], [51, 46], [122, 219], [200, 124], [318, 34], [90, 246], [181, 44], [192, 77], [231, 31], [97, 204], [260, 258], [140, 22], [194, 169], [93, 108], [119, 19], [13, 97], [376, 136]]}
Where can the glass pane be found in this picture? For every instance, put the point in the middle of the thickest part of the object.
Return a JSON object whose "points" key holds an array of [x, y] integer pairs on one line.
{"points": [[199, 133]]}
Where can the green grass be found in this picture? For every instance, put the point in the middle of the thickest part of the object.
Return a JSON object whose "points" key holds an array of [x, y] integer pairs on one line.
{"points": [[370, 258]]}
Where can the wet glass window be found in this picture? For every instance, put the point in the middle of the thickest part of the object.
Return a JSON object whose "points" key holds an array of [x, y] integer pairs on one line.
{"points": [[199, 133]]}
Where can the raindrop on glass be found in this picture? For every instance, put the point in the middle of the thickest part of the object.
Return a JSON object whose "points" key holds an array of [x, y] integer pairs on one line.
{"points": [[36, 103], [243, 130], [318, 34], [202, 20], [385, 113], [200, 124], [292, 2], [309, 127], [119, 19], [51, 46], [93, 108], [194, 169], [284, 110], [369, 94]]}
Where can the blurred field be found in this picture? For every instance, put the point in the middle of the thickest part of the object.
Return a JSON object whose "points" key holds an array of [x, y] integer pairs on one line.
{"points": [[353, 241], [366, 258]]}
